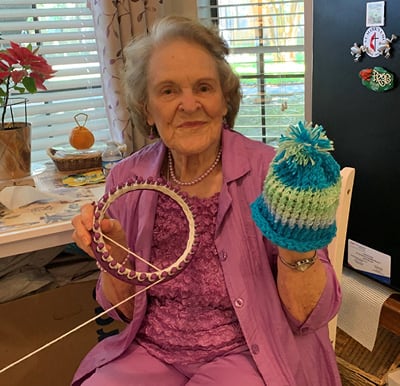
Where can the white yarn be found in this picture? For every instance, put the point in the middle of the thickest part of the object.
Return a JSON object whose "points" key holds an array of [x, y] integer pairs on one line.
{"points": [[76, 328]]}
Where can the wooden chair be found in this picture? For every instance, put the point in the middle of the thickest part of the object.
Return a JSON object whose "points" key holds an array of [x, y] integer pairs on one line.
{"points": [[337, 246]]}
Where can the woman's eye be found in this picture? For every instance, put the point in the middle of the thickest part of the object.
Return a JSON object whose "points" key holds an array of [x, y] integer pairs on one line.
{"points": [[166, 91], [204, 88]]}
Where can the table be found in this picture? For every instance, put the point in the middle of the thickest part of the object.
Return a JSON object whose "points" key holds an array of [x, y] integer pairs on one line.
{"points": [[45, 223]]}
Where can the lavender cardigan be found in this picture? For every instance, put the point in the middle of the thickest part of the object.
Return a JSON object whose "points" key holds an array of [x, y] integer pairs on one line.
{"points": [[286, 352]]}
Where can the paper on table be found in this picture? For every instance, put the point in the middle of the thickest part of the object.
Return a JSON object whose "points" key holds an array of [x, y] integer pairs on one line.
{"points": [[13, 197], [97, 192], [361, 307]]}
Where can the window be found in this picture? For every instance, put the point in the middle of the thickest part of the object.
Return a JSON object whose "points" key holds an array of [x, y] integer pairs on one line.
{"points": [[64, 33], [267, 51]]}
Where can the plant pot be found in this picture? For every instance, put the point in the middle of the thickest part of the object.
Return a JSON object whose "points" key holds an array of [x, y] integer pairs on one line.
{"points": [[15, 151]]}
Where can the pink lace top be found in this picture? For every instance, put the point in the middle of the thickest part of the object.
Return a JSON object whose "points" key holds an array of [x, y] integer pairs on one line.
{"points": [[190, 318]]}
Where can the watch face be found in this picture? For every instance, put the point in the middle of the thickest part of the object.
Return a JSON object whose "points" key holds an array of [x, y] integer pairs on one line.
{"points": [[374, 38]]}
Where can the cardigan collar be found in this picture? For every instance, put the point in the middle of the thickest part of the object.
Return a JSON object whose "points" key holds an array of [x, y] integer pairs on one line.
{"points": [[235, 158]]}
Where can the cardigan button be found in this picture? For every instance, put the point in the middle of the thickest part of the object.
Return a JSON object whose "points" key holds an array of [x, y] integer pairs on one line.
{"points": [[304, 330], [255, 349], [239, 302], [223, 256]]}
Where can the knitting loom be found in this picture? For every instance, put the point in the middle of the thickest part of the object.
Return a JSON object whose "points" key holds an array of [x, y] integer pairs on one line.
{"points": [[120, 271]]}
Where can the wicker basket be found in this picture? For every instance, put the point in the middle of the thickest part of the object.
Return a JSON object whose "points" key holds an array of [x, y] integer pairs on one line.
{"points": [[361, 367], [66, 162]]}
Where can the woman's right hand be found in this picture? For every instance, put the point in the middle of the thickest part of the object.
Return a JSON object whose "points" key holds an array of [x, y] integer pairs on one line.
{"points": [[82, 236], [114, 289]]}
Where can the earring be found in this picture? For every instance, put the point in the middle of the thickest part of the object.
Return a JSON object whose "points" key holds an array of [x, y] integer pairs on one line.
{"points": [[151, 134], [225, 125]]}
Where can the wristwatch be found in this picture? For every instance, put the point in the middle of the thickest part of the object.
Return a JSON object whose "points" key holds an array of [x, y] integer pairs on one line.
{"points": [[300, 265]]}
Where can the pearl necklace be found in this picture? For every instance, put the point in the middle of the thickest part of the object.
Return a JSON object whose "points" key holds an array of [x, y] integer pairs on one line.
{"points": [[196, 180]]}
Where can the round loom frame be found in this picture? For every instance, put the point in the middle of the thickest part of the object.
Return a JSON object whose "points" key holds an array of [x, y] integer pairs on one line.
{"points": [[118, 270]]}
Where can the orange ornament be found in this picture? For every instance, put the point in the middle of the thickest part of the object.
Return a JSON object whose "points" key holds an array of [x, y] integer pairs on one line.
{"points": [[81, 137]]}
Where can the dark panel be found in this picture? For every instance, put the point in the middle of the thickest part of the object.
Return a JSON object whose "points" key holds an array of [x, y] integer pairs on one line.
{"points": [[364, 125]]}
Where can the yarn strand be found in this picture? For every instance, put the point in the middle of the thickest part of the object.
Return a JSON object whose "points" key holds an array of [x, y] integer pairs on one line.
{"points": [[4, 369], [302, 142]]}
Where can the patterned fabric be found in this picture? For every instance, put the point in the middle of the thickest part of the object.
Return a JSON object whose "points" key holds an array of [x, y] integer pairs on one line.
{"points": [[169, 331], [116, 22], [298, 205]]}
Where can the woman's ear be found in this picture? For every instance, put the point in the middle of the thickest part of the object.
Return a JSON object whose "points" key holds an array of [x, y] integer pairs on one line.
{"points": [[149, 119], [226, 108]]}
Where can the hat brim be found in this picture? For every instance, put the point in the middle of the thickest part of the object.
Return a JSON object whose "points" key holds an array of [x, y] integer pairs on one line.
{"points": [[300, 239]]}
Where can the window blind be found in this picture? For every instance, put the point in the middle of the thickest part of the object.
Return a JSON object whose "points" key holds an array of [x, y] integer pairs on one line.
{"points": [[64, 33], [267, 51]]}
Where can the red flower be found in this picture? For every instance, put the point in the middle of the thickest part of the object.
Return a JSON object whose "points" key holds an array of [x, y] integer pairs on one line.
{"points": [[39, 79], [22, 70], [18, 75], [3, 75]]}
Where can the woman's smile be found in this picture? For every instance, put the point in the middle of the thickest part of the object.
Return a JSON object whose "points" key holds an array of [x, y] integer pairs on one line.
{"points": [[191, 124]]}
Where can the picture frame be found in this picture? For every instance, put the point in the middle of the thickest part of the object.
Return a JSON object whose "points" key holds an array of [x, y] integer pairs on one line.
{"points": [[375, 14]]}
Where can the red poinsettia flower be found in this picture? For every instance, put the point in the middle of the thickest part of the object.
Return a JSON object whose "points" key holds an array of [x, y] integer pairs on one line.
{"points": [[18, 75], [3, 67], [22, 70]]}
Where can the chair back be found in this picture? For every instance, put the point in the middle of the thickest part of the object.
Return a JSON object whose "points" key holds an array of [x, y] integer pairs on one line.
{"points": [[337, 246]]}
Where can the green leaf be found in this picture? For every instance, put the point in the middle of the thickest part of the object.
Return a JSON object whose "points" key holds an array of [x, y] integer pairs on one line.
{"points": [[19, 89], [29, 84]]}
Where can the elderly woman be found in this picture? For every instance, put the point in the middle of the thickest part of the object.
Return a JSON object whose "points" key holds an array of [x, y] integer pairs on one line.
{"points": [[237, 315]]}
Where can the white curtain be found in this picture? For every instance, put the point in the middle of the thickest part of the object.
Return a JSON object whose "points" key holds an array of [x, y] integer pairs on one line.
{"points": [[116, 22]]}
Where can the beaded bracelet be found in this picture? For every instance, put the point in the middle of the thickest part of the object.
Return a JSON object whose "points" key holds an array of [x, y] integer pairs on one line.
{"points": [[300, 265]]}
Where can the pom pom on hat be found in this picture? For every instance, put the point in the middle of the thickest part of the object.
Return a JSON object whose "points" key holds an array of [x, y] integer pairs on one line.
{"points": [[297, 208]]}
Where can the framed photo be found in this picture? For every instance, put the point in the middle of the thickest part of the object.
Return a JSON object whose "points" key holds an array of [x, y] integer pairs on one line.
{"points": [[375, 15]]}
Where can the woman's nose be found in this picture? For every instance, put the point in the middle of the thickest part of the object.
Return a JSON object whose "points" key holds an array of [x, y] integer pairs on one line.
{"points": [[188, 102]]}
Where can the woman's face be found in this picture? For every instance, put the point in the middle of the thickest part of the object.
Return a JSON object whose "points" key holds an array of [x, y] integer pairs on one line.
{"points": [[185, 99]]}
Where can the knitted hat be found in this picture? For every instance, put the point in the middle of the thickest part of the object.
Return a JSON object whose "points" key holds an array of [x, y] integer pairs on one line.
{"points": [[297, 208]]}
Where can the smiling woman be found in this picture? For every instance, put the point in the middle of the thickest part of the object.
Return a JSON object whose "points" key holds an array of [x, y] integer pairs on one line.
{"points": [[236, 315]]}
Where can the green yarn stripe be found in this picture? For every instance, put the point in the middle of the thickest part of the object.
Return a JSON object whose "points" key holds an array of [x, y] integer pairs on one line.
{"points": [[307, 208]]}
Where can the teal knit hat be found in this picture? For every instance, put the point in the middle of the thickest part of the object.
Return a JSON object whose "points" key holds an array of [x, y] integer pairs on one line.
{"points": [[297, 208]]}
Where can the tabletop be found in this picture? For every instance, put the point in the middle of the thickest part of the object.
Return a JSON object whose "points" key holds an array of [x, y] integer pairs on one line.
{"points": [[46, 223]]}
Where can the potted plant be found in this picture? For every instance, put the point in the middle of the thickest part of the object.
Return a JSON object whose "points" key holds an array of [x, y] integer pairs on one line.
{"points": [[22, 71]]}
